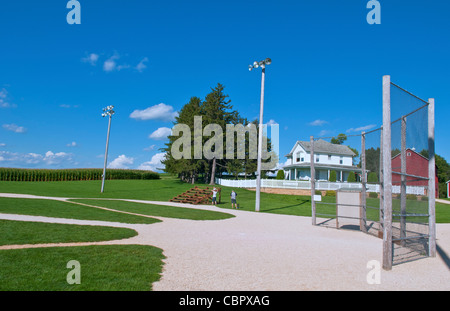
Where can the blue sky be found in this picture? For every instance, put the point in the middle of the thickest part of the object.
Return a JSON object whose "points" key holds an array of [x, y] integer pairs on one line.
{"points": [[152, 56]]}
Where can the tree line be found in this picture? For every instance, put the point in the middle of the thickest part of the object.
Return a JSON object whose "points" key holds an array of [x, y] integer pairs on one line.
{"points": [[215, 108]]}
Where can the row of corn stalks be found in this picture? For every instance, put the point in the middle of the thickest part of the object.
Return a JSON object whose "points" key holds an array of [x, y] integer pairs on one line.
{"points": [[18, 174]]}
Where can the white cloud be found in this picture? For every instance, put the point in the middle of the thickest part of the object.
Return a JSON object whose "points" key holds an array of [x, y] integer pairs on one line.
{"points": [[2, 145], [121, 161], [161, 133], [160, 112], [325, 132], [318, 123], [91, 59], [110, 64], [154, 164], [141, 66], [14, 128], [68, 106], [272, 122], [50, 158], [149, 148], [4, 103], [361, 129], [72, 144]]}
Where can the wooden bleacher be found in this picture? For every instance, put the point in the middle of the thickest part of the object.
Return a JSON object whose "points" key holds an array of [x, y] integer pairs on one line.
{"points": [[197, 195]]}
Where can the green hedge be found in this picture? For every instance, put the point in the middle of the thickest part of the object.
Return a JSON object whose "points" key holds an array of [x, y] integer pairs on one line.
{"points": [[330, 193], [19, 174]]}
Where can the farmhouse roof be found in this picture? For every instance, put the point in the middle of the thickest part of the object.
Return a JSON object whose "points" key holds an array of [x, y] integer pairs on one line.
{"points": [[322, 146]]}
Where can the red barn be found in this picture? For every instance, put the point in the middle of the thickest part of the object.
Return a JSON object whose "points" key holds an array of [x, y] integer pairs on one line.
{"points": [[416, 164]]}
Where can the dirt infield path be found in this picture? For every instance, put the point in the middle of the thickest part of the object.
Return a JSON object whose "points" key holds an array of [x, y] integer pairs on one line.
{"points": [[260, 251]]}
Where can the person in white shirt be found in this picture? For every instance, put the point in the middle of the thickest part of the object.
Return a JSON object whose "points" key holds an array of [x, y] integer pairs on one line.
{"points": [[214, 196], [233, 199]]}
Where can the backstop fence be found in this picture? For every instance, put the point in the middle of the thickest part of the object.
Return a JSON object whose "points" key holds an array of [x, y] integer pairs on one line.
{"points": [[397, 159]]}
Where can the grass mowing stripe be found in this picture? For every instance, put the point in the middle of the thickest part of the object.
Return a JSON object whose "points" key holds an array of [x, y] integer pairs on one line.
{"points": [[51, 208], [24, 232], [102, 268], [157, 210]]}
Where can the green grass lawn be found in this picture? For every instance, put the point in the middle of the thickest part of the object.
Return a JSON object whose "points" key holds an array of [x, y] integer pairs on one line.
{"points": [[102, 268], [112, 267], [51, 208], [157, 190], [157, 210], [25, 232]]}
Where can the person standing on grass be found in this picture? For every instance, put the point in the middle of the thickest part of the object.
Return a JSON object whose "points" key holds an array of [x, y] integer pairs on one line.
{"points": [[214, 196], [233, 199]]}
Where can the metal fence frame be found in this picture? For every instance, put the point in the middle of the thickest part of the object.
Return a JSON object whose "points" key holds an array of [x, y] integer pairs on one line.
{"points": [[386, 188]]}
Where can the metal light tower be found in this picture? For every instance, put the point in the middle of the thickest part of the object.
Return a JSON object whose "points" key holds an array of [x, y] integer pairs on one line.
{"points": [[255, 65], [108, 111]]}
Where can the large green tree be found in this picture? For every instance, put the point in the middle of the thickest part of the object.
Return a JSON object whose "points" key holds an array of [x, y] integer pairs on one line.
{"points": [[186, 168], [215, 113], [215, 109]]}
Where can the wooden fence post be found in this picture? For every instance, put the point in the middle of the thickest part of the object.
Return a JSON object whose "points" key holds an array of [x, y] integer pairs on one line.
{"points": [[313, 183], [431, 182], [387, 175]]}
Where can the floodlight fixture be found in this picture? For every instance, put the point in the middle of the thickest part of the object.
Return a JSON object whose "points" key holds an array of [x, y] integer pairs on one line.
{"points": [[108, 111], [261, 64]]}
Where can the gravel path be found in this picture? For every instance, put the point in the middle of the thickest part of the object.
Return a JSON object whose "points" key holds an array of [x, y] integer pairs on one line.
{"points": [[260, 251]]}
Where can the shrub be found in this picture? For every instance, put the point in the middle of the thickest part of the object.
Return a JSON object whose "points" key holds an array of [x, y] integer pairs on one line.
{"points": [[351, 177], [411, 197], [330, 193], [372, 178], [280, 174], [332, 176], [373, 195], [318, 192]]}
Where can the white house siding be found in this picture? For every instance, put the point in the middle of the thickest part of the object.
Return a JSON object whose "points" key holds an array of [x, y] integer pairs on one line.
{"points": [[306, 156], [323, 157]]}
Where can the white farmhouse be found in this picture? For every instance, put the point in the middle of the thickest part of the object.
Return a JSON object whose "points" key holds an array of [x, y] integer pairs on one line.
{"points": [[327, 157]]}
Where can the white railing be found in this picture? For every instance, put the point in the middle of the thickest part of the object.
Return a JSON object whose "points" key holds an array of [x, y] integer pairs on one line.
{"points": [[306, 185]]}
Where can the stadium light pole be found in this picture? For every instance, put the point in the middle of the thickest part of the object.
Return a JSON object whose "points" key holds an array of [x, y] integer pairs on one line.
{"points": [[263, 65], [108, 111]]}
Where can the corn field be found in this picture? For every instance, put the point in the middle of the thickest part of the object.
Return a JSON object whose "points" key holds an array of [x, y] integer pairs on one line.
{"points": [[18, 174]]}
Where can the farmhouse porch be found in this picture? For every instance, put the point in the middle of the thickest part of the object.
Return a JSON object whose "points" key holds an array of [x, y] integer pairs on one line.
{"points": [[302, 171]]}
